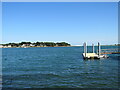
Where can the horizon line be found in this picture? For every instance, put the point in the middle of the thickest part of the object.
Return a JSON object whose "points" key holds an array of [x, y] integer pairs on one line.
{"points": [[60, 42]]}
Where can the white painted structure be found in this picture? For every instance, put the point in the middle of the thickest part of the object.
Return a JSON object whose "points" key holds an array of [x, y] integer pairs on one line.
{"points": [[9, 46], [93, 55]]}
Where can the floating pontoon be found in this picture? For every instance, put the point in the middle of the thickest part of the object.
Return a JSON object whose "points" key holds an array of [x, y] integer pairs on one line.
{"points": [[93, 55]]}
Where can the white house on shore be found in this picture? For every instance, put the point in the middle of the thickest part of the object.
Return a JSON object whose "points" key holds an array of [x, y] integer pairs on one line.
{"points": [[9, 46], [24, 45], [31, 45]]}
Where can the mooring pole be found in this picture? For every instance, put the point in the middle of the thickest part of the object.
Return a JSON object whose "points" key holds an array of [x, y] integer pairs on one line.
{"points": [[93, 47], [99, 49], [85, 49]]}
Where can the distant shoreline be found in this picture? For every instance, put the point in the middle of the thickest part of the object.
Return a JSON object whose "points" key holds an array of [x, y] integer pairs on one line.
{"points": [[55, 46], [43, 44], [36, 47], [35, 44]]}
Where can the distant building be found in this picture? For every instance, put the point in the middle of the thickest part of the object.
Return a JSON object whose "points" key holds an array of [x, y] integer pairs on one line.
{"points": [[56, 45], [9, 46], [44, 46], [41, 45], [1, 46], [31, 45], [24, 45], [4, 46], [27, 45]]}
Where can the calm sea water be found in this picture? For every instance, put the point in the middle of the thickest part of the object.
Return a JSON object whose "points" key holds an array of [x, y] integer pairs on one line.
{"points": [[57, 67]]}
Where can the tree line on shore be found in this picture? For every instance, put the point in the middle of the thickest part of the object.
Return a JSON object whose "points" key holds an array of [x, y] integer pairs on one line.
{"points": [[36, 44]]}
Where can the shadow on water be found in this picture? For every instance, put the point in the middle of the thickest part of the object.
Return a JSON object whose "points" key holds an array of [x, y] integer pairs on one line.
{"points": [[114, 56]]}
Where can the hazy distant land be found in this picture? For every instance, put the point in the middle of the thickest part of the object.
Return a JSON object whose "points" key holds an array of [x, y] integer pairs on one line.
{"points": [[42, 44], [35, 44]]}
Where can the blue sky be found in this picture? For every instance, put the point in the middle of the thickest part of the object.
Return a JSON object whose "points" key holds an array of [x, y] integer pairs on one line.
{"points": [[72, 22]]}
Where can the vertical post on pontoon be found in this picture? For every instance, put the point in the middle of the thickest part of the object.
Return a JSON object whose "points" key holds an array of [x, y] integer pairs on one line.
{"points": [[99, 49], [93, 48], [85, 49]]}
